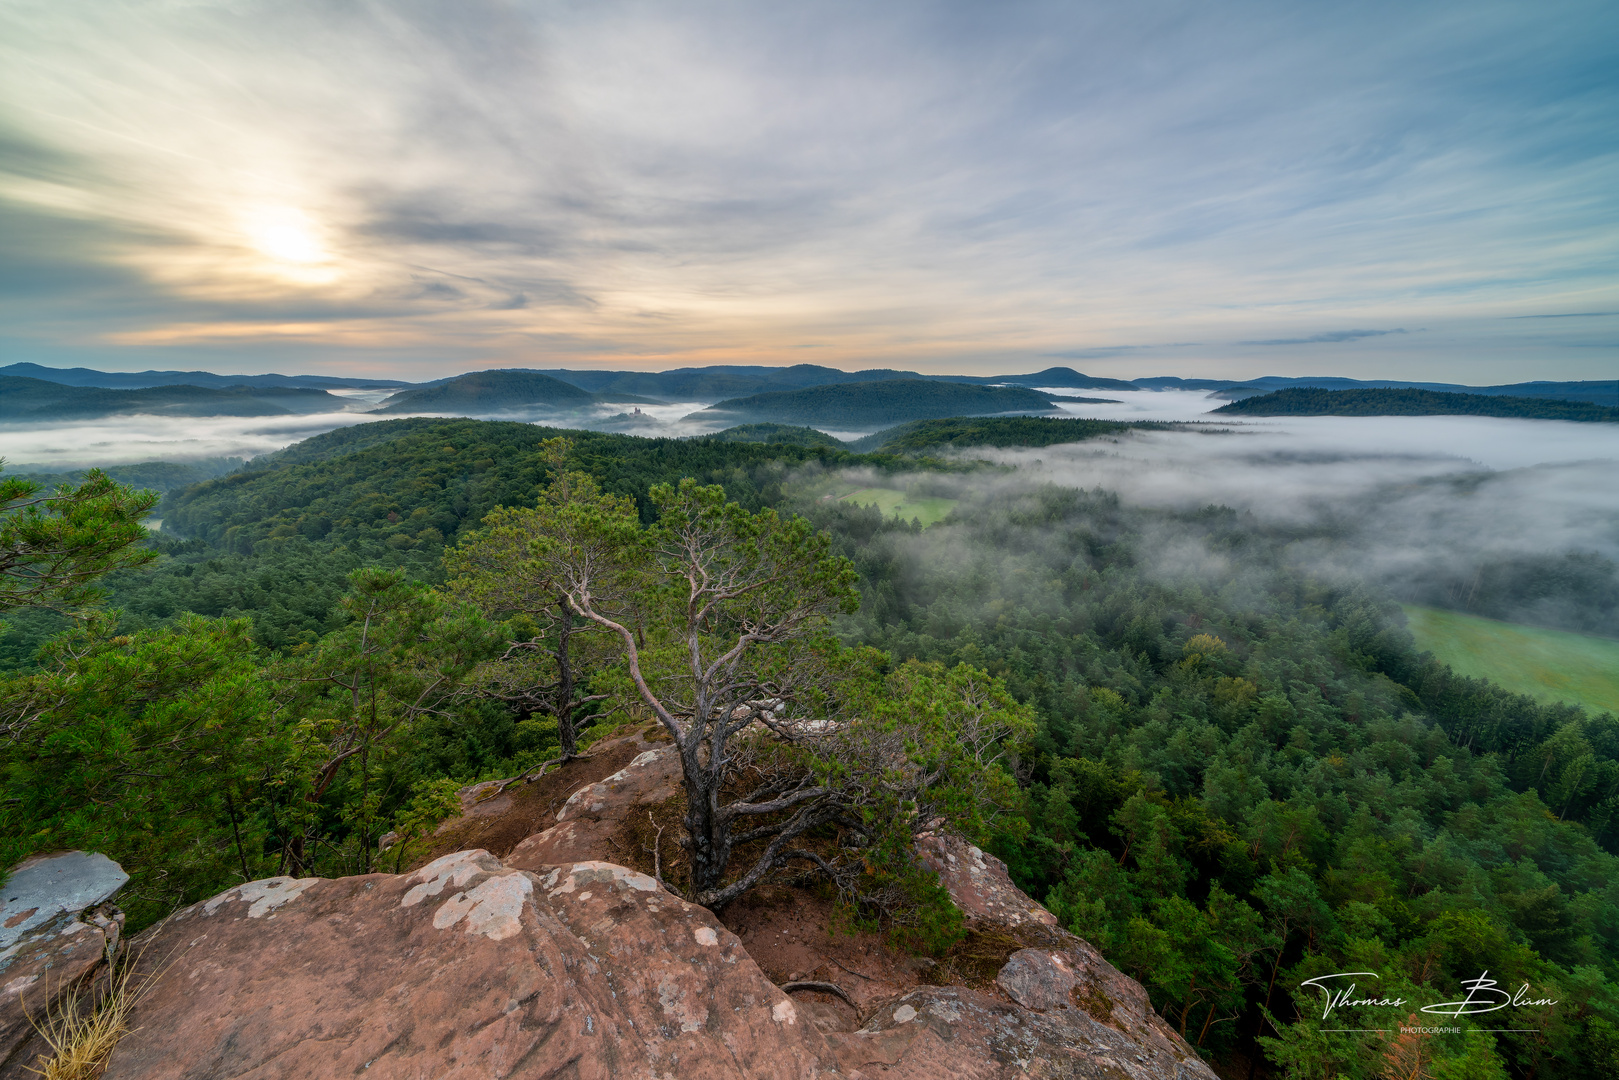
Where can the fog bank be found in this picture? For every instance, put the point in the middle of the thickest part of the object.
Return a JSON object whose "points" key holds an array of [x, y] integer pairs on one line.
{"points": [[1514, 519]]}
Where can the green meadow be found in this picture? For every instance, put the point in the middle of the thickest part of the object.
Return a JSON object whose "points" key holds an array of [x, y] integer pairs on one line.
{"points": [[1550, 665], [892, 502]]}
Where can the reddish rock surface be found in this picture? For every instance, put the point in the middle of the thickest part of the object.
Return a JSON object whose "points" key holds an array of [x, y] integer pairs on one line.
{"points": [[463, 968], [555, 962], [786, 931], [1071, 982], [498, 823], [979, 884], [471, 968], [587, 821], [965, 1035], [1049, 974]]}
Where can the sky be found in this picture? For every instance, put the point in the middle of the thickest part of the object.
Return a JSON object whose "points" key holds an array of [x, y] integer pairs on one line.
{"points": [[414, 189]]}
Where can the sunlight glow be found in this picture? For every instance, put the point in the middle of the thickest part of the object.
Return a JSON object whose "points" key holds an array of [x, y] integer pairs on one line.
{"points": [[285, 234]]}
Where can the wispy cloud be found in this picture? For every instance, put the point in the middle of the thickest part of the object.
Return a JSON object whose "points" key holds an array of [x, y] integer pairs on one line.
{"points": [[1100, 352], [944, 187], [1327, 338], [1570, 315]]}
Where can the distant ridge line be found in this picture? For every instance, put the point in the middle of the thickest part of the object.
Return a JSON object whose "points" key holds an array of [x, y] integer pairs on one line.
{"points": [[719, 382]]}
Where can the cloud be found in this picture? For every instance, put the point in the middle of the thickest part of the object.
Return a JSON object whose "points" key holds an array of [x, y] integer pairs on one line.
{"points": [[1334, 336], [1103, 351], [1570, 315], [1423, 506], [939, 187]]}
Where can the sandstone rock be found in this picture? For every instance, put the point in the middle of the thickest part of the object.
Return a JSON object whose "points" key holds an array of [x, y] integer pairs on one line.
{"points": [[1083, 1015], [55, 931], [1077, 1010], [954, 1032], [464, 968], [499, 822], [1075, 979], [470, 967], [1038, 979], [978, 882], [592, 813], [553, 962], [483, 800]]}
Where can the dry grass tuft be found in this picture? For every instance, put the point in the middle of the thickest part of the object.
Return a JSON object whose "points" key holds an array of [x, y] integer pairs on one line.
{"points": [[85, 1026]]}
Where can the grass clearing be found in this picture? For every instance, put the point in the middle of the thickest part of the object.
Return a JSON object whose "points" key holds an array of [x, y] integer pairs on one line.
{"points": [[895, 503], [1549, 665]]}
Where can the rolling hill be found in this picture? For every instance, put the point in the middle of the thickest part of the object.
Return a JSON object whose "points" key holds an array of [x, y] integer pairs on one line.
{"points": [[1066, 378], [135, 380], [877, 404], [1309, 401], [25, 400], [719, 381], [156, 475], [1595, 391], [484, 392], [998, 431], [777, 434]]}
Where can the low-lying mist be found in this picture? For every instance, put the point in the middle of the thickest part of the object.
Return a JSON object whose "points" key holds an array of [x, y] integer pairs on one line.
{"points": [[1512, 519], [120, 439], [59, 446]]}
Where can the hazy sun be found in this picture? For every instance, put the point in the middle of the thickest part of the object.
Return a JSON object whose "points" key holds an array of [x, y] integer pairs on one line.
{"points": [[285, 234]]}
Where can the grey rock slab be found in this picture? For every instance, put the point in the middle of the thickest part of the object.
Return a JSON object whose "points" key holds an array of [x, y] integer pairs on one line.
{"points": [[44, 887], [54, 936]]}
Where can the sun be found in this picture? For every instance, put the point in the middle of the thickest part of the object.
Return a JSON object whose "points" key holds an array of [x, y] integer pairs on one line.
{"points": [[285, 234]]}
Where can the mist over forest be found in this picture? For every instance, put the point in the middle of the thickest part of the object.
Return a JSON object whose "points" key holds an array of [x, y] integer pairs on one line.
{"points": [[1241, 768], [1531, 539], [1002, 540], [1244, 768]]}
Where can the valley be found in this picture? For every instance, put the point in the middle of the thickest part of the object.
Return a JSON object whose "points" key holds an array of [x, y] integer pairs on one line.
{"points": [[1233, 725]]}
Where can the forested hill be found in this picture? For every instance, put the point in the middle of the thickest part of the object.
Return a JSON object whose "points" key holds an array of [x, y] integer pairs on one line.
{"points": [[877, 404], [413, 484], [1242, 776], [35, 400], [777, 433], [153, 475], [128, 380], [488, 392], [1000, 431], [1306, 401], [273, 542]]}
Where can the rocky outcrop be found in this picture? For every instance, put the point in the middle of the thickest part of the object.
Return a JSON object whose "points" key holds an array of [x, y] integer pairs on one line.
{"points": [[465, 968], [1079, 1010], [1063, 978], [587, 822], [954, 1032], [469, 967], [978, 883], [1071, 985], [555, 961], [56, 930], [498, 821]]}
